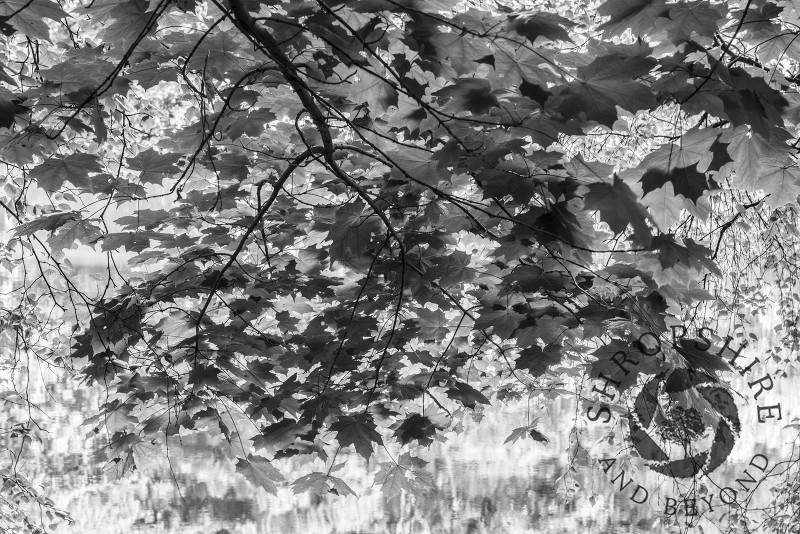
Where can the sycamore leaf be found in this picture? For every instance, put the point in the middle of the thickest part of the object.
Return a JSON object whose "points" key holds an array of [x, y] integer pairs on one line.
{"points": [[9, 109], [51, 174], [527, 431], [541, 24], [611, 364], [416, 427], [605, 84], [48, 223], [531, 278], [618, 207], [462, 50], [452, 269], [79, 72], [502, 320], [260, 472], [537, 360], [128, 18], [137, 241], [537, 436], [318, 483], [469, 94], [743, 148], [523, 63], [146, 218], [82, 231], [352, 233], [686, 18], [395, 479], [278, 436], [418, 165], [683, 164], [358, 431], [432, 324], [692, 255], [28, 16], [777, 44], [665, 206], [516, 434], [466, 395], [638, 15], [701, 359], [781, 179], [40, 8], [752, 101], [376, 92], [153, 165]]}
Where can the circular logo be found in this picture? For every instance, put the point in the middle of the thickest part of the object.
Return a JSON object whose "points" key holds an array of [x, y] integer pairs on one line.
{"points": [[679, 425]]}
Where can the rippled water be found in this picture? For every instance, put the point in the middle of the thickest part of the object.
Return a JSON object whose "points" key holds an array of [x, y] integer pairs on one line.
{"points": [[480, 485]]}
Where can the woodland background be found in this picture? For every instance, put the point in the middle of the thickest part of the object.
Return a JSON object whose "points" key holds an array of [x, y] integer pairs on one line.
{"points": [[326, 233]]}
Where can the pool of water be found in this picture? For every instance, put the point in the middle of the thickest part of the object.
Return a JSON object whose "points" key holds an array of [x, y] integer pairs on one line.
{"points": [[479, 484]]}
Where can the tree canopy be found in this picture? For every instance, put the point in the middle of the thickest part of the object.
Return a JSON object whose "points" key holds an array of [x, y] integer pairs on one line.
{"points": [[333, 223]]}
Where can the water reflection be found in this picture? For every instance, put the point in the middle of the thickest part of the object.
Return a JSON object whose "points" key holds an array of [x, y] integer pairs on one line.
{"points": [[480, 485]]}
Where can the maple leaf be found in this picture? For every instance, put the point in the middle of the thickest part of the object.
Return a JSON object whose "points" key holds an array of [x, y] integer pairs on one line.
{"points": [[752, 101], [373, 90], [82, 231], [9, 109], [777, 44], [138, 241], [691, 17], [619, 207], [638, 15], [416, 427], [126, 21], [665, 206], [78, 73], [605, 84], [358, 431], [260, 472], [47, 223], [318, 483], [466, 395], [691, 254], [700, 359], [432, 324], [526, 431], [352, 233], [537, 360], [395, 479], [744, 149], [28, 16], [531, 278], [451, 269], [683, 164], [418, 165], [611, 364], [281, 435], [461, 50], [502, 321], [781, 179], [521, 63], [40, 8], [469, 94], [152, 165], [51, 174], [541, 24]]}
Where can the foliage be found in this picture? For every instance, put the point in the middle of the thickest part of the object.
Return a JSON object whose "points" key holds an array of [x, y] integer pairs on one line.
{"points": [[333, 223]]}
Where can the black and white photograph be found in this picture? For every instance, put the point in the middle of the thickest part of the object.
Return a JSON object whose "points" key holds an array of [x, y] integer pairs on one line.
{"points": [[399, 266]]}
